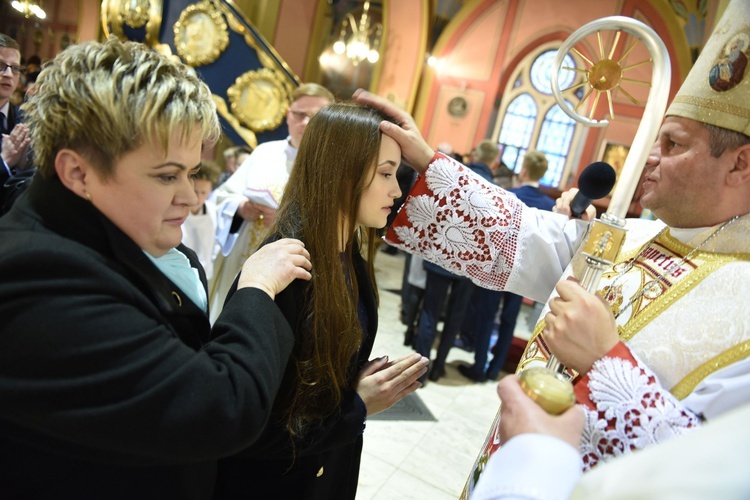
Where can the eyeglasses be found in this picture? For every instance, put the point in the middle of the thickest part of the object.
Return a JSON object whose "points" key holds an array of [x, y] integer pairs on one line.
{"points": [[301, 115], [15, 69]]}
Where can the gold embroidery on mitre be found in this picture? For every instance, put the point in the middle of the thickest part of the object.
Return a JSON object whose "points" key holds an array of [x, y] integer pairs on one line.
{"points": [[717, 89], [688, 384]]}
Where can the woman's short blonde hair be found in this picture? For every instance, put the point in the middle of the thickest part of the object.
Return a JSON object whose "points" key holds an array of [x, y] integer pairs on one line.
{"points": [[104, 100]]}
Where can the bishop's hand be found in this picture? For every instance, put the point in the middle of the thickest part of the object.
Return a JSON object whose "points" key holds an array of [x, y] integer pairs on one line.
{"points": [[579, 328]]}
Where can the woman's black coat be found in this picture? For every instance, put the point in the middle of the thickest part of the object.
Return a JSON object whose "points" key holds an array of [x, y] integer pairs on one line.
{"points": [[109, 387]]}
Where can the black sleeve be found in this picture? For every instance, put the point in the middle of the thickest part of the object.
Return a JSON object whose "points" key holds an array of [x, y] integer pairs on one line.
{"points": [[348, 422], [237, 221], [85, 369]]}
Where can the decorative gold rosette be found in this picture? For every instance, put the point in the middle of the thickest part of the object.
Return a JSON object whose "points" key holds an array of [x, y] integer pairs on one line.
{"points": [[200, 34], [135, 13], [259, 100], [142, 16]]}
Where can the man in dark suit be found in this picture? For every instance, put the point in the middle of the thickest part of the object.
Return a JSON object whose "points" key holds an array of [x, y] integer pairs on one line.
{"points": [[15, 136], [534, 168]]}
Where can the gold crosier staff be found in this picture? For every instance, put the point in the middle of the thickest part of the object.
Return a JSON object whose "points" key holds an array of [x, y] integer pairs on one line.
{"points": [[550, 385]]}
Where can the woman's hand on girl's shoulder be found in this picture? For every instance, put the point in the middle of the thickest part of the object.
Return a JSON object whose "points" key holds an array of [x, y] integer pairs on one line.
{"points": [[275, 265]]}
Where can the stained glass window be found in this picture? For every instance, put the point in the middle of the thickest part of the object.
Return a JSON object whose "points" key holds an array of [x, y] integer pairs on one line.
{"points": [[541, 72], [554, 141], [515, 134], [533, 120]]}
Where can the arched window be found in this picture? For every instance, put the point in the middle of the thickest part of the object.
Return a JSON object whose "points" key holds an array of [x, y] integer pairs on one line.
{"points": [[554, 141], [515, 135], [529, 117]]}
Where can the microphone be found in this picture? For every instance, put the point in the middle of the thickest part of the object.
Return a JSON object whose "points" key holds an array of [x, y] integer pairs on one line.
{"points": [[596, 181]]}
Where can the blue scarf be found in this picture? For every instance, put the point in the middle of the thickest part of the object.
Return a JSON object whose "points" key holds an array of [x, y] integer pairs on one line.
{"points": [[175, 266]]}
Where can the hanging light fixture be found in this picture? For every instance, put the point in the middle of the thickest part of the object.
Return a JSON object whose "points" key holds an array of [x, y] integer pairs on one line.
{"points": [[359, 40], [29, 8]]}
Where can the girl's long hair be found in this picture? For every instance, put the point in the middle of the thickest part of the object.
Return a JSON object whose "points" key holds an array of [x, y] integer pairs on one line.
{"points": [[334, 165]]}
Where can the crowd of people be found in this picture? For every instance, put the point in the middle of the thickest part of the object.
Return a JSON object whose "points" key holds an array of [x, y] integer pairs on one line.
{"points": [[136, 366]]}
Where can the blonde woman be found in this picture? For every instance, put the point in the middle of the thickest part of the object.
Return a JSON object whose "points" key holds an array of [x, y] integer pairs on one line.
{"points": [[112, 382]]}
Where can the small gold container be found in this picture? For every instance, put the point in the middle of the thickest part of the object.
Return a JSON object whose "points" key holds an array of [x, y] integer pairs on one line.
{"points": [[551, 390]]}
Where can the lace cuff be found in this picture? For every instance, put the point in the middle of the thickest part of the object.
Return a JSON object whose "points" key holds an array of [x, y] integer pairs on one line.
{"points": [[626, 408], [455, 219]]}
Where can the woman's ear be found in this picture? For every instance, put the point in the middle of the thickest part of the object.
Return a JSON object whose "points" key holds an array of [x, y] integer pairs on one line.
{"points": [[72, 169]]}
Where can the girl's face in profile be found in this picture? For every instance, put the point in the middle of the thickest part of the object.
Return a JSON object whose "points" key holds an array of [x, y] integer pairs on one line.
{"points": [[377, 198]]}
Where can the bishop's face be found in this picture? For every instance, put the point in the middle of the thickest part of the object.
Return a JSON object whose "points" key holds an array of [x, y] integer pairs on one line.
{"points": [[681, 179]]}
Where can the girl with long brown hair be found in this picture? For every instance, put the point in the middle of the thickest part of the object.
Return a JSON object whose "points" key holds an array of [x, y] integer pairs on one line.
{"points": [[340, 192]]}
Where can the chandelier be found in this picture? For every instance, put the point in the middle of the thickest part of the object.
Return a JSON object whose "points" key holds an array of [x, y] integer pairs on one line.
{"points": [[359, 40], [29, 8]]}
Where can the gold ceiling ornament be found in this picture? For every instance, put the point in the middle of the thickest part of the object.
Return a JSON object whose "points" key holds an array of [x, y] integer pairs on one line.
{"points": [[200, 34], [247, 135], [259, 99], [135, 12]]}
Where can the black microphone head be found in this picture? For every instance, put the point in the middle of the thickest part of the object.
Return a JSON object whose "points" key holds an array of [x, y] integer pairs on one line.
{"points": [[597, 180]]}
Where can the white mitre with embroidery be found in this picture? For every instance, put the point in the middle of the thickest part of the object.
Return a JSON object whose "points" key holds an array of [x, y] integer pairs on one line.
{"points": [[717, 90]]}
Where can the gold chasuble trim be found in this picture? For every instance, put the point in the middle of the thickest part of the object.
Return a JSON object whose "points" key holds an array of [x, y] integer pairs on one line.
{"points": [[702, 264], [705, 263], [688, 384]]}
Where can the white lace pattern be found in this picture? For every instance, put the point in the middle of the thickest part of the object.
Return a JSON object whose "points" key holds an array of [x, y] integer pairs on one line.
{"points": [[632, 411], [461, 224]]}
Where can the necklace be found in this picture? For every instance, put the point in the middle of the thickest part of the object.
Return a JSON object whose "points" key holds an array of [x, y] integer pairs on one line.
{"points": [[652, 289]]}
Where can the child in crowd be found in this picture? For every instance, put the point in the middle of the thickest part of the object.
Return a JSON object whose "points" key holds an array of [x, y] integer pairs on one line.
{"points": [[199, 229]]}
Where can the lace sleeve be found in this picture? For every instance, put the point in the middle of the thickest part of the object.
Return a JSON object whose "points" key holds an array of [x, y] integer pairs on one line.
{"points": [[455, 219], [626, 408]]}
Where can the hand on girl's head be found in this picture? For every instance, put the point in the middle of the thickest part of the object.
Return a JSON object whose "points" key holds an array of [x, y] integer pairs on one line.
{"points": [[415, 150]]}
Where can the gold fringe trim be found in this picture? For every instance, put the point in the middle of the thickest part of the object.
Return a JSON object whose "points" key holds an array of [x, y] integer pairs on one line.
{"points": [[688, 384]]}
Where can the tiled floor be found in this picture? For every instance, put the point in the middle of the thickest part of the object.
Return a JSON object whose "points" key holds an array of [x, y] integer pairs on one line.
{"points": [[424, 460]]}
